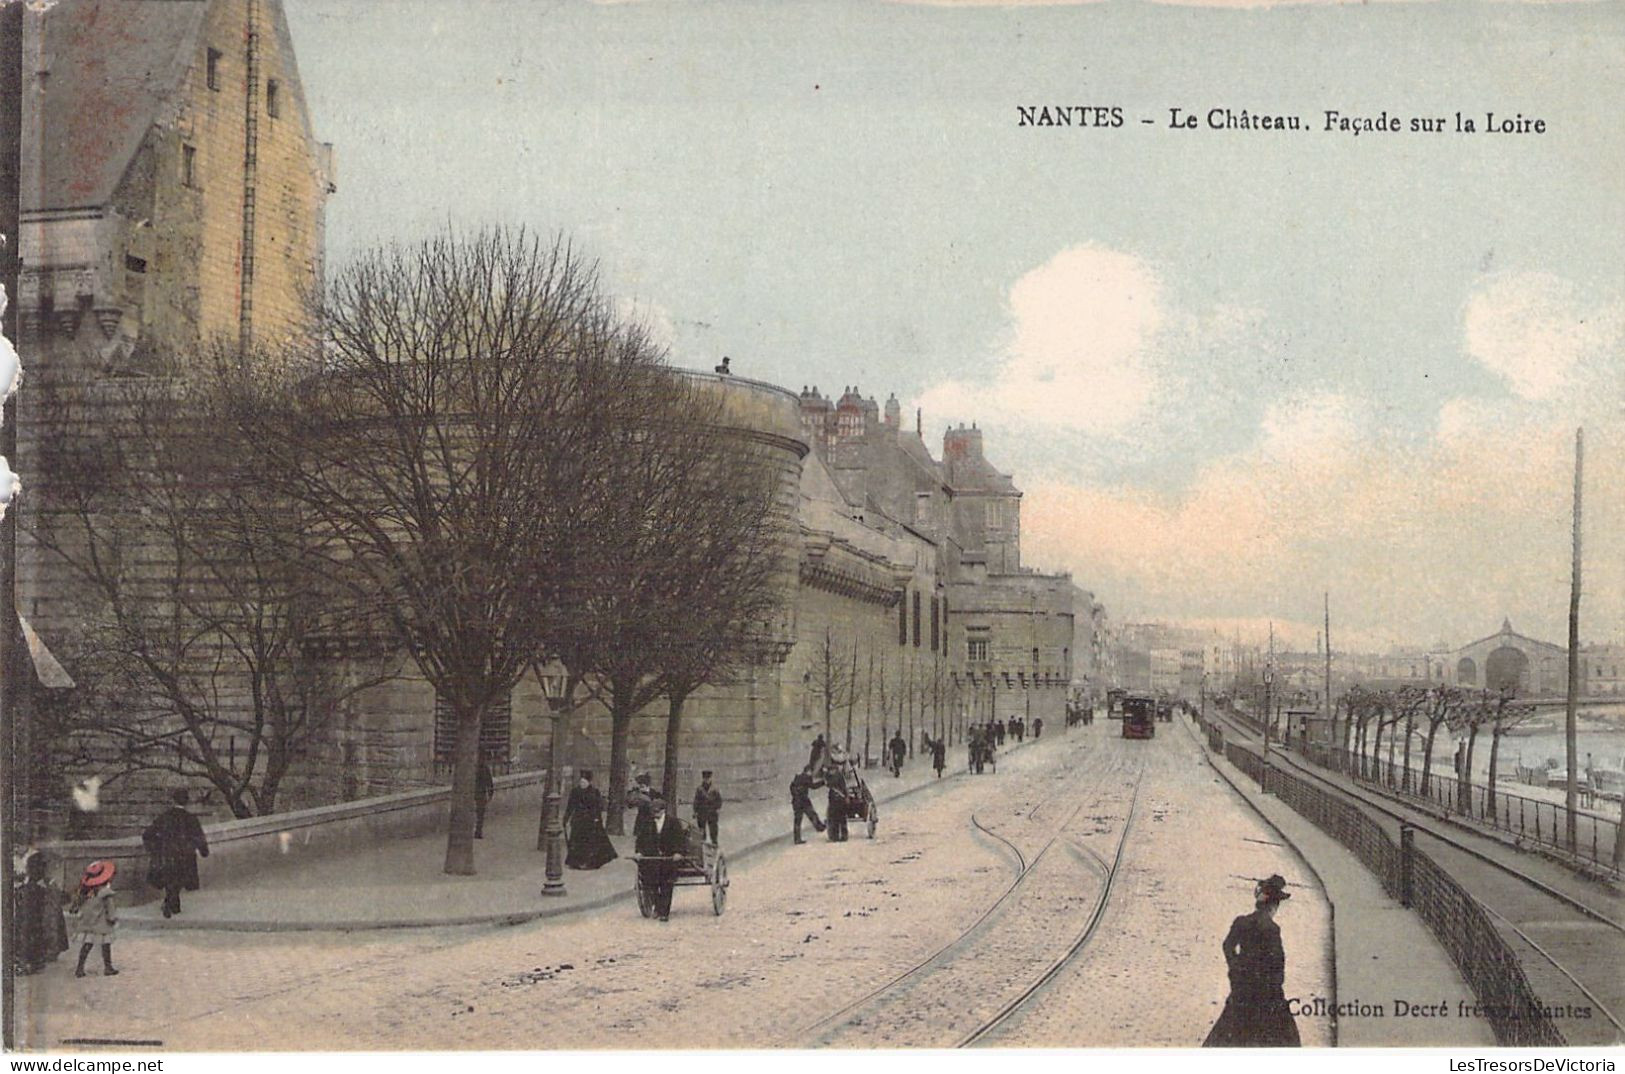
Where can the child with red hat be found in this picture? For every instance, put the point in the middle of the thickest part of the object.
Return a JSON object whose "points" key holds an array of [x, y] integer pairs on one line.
{"points": [[96, 915]]}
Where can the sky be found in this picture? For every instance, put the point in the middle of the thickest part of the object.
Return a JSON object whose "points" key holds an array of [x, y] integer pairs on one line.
{"points": [[1231, 370]]}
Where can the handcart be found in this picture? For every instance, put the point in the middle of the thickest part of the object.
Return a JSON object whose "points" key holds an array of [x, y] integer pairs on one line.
{"points": [[700, 863]]}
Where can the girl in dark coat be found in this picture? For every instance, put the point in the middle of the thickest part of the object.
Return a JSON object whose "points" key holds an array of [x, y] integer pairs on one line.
{"points": [[1256, 1014], [173, 841], [584, 816]]}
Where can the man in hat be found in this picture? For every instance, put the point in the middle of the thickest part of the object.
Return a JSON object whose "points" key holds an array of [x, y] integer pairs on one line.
{"points": [[801, 788], [836, 787], [639, 797], [173, 841], [1256, 1014], [899, 750], [659, 842], [707, 807]]}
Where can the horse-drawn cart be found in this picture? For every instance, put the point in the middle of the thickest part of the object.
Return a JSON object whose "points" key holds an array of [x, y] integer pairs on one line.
{"points": [[700, 863]]}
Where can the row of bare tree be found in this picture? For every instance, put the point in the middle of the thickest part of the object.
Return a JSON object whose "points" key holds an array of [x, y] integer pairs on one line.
{"points": [[851, 684], [1399, 713], [471, 460]]}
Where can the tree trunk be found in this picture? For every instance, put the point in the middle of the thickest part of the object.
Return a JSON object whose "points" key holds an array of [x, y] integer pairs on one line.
{"points": [[1427, 758], [1410, 727], [465, 764], [674, 723], [1376, 752], [1495, 756], [620, 723], [1466, 786]]}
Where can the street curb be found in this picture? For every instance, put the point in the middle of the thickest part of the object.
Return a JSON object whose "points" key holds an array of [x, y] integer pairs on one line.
{"points": [[518, 917], [1331, 903]]}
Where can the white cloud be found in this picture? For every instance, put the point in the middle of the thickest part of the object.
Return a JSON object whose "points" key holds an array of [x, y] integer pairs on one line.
{"points": [[1083, 328], [1534, 331], [1418, 536]]}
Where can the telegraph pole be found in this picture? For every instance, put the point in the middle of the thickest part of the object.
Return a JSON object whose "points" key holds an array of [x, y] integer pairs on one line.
{"points": [[1571, 793]]}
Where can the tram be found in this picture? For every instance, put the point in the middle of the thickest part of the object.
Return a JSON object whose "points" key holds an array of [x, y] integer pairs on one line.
{"points": [[1114, 703], [1139, 717]]}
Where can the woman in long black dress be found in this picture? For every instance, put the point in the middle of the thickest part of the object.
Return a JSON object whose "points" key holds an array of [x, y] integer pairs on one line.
{"points": [[1256, 1014], [589, 846]]}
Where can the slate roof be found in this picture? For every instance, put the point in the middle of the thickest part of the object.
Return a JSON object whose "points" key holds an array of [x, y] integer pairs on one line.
{"points": [[112, 65]]}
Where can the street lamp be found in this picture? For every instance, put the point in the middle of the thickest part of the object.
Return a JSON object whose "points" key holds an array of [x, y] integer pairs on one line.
{"points": [[551, 835]]}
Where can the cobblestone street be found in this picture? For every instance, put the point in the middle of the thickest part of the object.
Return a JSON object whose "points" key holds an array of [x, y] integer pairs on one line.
{"points": [[808, 930]]}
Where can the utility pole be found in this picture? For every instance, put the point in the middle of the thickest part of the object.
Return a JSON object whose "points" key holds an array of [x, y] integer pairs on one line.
{"points": [[1571, 794], [1331, 712]]}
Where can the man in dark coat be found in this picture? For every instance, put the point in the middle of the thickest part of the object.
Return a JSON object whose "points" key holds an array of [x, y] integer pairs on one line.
{"points": [[639, 797], [1038, 727], [939, 755], [1256, 1014], [801, 788], [707, 807], [819, 754], [173, 841], [662, 839], [485, 788], [835, 785], [899, 750]]}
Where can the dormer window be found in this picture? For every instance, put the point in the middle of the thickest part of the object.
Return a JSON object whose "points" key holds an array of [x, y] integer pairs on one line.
{"points": [[212, 69], [273, 98], [188, 165]]}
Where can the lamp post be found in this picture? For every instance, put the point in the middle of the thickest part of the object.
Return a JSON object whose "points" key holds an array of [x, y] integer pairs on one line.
{"points": [[551, 835]]}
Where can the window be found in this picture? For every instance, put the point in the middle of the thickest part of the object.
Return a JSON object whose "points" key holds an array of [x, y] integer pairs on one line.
{"points": [[273, 99], [188, 165], [976, 650], [902, 618], [133, 263], [916, 619], [212, 69], [495, 734], [1035, 657], [935, 623]]}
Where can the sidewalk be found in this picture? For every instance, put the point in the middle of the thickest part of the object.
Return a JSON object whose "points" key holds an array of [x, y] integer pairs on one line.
{"points": [[1382, 952], [399, 883]]}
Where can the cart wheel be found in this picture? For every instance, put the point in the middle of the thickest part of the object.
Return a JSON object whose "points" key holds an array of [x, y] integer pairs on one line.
{"points": [[874, 822], [719, 886], [646, 903]]}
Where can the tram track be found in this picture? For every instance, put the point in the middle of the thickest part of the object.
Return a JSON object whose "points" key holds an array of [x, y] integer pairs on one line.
{"points": [[954, 952]]}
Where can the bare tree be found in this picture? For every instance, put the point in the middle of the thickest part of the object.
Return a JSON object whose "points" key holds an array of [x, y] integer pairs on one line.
{"points": [[721, 590], [1505, 717], [829, 681], [1441, 702], [209, 650], [448, 438]]}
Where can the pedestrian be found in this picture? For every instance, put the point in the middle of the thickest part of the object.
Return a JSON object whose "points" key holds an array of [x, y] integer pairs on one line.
{"points": [[485, 788], [997, 729], [1256, 1014], [819, 755], [801, 787], [95, 915], [661, 841], [939, 756], [589, 844], [973, 744], [1038, 727], [173, 841], [836, 788], [707, 807], [899, 750], [640, 797], [37, 906]]}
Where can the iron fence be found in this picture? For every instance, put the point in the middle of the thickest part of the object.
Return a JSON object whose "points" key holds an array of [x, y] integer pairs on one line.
{"points": [[1535, 820]]}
